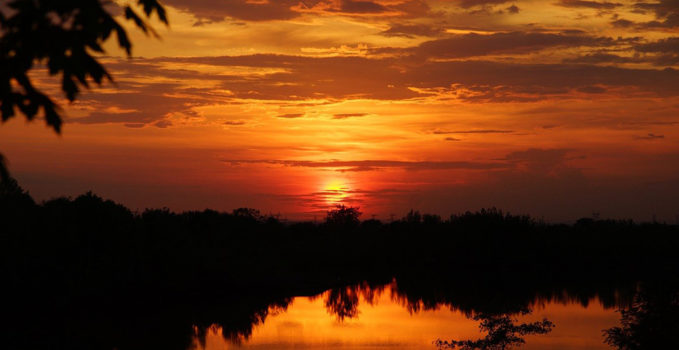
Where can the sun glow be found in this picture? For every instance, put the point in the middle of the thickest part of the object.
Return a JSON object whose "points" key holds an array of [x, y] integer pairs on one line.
{"points": [[335, 192]]}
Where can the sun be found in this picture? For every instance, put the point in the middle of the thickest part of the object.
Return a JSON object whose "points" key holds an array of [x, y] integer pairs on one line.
{"points": [[335, 192]]}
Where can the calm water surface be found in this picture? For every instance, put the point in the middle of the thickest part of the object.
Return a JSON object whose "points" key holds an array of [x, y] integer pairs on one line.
{"points": [[384, 321]]}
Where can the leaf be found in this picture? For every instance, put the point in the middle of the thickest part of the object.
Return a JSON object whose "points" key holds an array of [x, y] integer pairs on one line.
{"points": [[151, 5], [131, 15], [69, 87], [123, 40]]}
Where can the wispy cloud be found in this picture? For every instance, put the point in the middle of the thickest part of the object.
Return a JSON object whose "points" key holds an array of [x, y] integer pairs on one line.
{"points": [[479, 131], [367, 165], [348, 115], [599, 5], [234, 122], [650, 136], [290, 115]]}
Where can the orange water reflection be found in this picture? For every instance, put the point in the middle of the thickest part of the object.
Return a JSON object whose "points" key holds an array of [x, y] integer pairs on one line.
{"points": [[384, 322]]}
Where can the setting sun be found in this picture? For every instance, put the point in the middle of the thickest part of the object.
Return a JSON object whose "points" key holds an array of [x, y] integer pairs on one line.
{"points": [[335, 192]]}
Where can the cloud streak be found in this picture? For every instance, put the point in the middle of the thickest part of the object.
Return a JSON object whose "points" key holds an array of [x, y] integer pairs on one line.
{"points": [[370, 165]]}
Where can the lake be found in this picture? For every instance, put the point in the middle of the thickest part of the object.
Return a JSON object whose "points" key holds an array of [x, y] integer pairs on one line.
{"points": [[383, 319]]}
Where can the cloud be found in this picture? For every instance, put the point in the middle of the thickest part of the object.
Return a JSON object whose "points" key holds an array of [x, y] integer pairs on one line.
{"points": [[348, 115], [513, 9], [666, 13], [298, 79], [474, 45], [622, 23], [290, 115], [411, 30], [480, 131], [539, 160], [217, 10], [650, 136], [663, 9], [234, 122], [350, 6], [207, 11], [362, 165], [667, 45], [452, 139], [597, 58], [492, 81], [136, 104], [600, 5], [395, 78], [593, 89], [663, 52], [134, 125], [162, 124], [473, 3]]}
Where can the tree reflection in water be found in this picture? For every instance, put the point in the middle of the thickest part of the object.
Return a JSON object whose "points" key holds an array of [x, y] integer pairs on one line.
{"points": [[503, 332], [651, 322]]}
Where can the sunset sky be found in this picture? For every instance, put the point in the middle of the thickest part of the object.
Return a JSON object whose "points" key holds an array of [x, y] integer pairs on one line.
{"points": [[556, 108]]}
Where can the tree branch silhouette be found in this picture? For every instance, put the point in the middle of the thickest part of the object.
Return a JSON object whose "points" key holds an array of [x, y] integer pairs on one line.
{"points": [[64, 36]]}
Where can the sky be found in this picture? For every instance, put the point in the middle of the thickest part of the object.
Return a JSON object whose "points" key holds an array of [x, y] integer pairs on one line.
{"points": [[558, 109]]}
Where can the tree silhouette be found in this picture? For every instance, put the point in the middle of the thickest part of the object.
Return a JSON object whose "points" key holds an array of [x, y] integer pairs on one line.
{"points": [[343, 216], [64, 36], [503, 333]]}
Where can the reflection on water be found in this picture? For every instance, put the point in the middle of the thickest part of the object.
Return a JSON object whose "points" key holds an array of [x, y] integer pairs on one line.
{"points": [[378, 318], [651, 322], [504, 331], [400, 315]]}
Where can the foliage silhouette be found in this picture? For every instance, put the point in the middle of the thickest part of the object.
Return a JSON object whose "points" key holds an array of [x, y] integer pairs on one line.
{"points": [[343, 302], [503, 333], [651, 322], [343, 216], [65, 36]]}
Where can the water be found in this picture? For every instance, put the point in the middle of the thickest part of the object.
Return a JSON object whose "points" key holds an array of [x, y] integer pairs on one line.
{"points": [[383, 319]]}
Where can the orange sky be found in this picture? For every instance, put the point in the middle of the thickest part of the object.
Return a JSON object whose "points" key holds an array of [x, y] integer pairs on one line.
{"points": [[552, 108]]}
